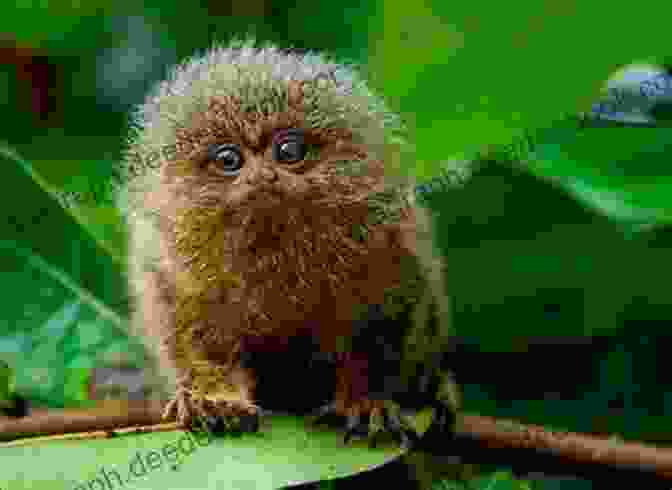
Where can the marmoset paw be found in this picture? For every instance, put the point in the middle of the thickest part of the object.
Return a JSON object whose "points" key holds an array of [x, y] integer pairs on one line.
{"points": [[216, 416], [234, 424], [370, 418]]}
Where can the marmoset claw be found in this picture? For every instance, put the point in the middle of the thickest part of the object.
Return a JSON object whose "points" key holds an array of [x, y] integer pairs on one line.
{"points": [[382, 417], [217, 416], [448, 403], [444, 416]]}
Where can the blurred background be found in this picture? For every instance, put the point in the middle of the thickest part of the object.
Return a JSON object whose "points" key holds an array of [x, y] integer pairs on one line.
{"points": [[558, 247]]}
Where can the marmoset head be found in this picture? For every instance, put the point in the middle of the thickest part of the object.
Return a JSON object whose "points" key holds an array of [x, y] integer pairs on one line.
{"points": [[261, 139]]}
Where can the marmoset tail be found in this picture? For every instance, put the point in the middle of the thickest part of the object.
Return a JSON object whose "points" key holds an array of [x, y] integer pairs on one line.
{"points": [[264, 206]]}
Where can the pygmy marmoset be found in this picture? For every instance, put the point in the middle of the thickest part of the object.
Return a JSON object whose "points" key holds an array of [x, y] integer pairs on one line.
{"points": [[263, 206]]}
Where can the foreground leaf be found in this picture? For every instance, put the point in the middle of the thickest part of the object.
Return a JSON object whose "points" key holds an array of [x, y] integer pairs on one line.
{"points": [[287, 451]]}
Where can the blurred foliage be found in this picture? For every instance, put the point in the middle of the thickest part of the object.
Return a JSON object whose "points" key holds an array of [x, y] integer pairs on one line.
{"points": [[562, 236], [495, 69], [64, 305]]}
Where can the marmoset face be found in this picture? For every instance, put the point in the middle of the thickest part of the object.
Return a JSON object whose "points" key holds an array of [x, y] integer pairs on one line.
{"points": [[275, 176], [270, 179]]}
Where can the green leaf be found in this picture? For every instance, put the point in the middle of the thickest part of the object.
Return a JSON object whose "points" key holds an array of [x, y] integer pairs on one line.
{"points": [[65, 305], [526, 260], [55, 243], [286, 452], [466, 76], [622, 172]]}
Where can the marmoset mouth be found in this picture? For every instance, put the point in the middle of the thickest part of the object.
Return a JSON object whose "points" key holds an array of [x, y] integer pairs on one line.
{"points": [[286, 228], [270, 222], [274, 199], [273, 228]]}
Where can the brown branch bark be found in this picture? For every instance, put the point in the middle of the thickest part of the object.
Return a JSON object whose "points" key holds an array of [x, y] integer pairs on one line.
{"points": [[488, 432], [568, 447], [107, 416]]}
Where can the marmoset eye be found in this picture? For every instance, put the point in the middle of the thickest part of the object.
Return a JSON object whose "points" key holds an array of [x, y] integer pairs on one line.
{"points": [[289, 146], [226, 159]]}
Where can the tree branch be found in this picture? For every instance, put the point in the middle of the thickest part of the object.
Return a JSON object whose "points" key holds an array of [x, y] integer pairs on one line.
{"points": [[485, 433]]}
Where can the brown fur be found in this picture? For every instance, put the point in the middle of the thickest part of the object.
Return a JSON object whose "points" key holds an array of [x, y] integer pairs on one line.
{"points": [[243, 258], [225, 265]]}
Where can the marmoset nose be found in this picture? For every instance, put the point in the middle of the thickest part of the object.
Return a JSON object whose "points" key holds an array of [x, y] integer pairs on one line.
{"points": [[262, 175]]}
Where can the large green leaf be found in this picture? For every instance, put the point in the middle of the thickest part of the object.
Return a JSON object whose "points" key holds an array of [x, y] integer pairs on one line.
{"points": [[43, 233], [469, 74], [285, 452], [621, 171], [64, 295], [526, 260]]}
